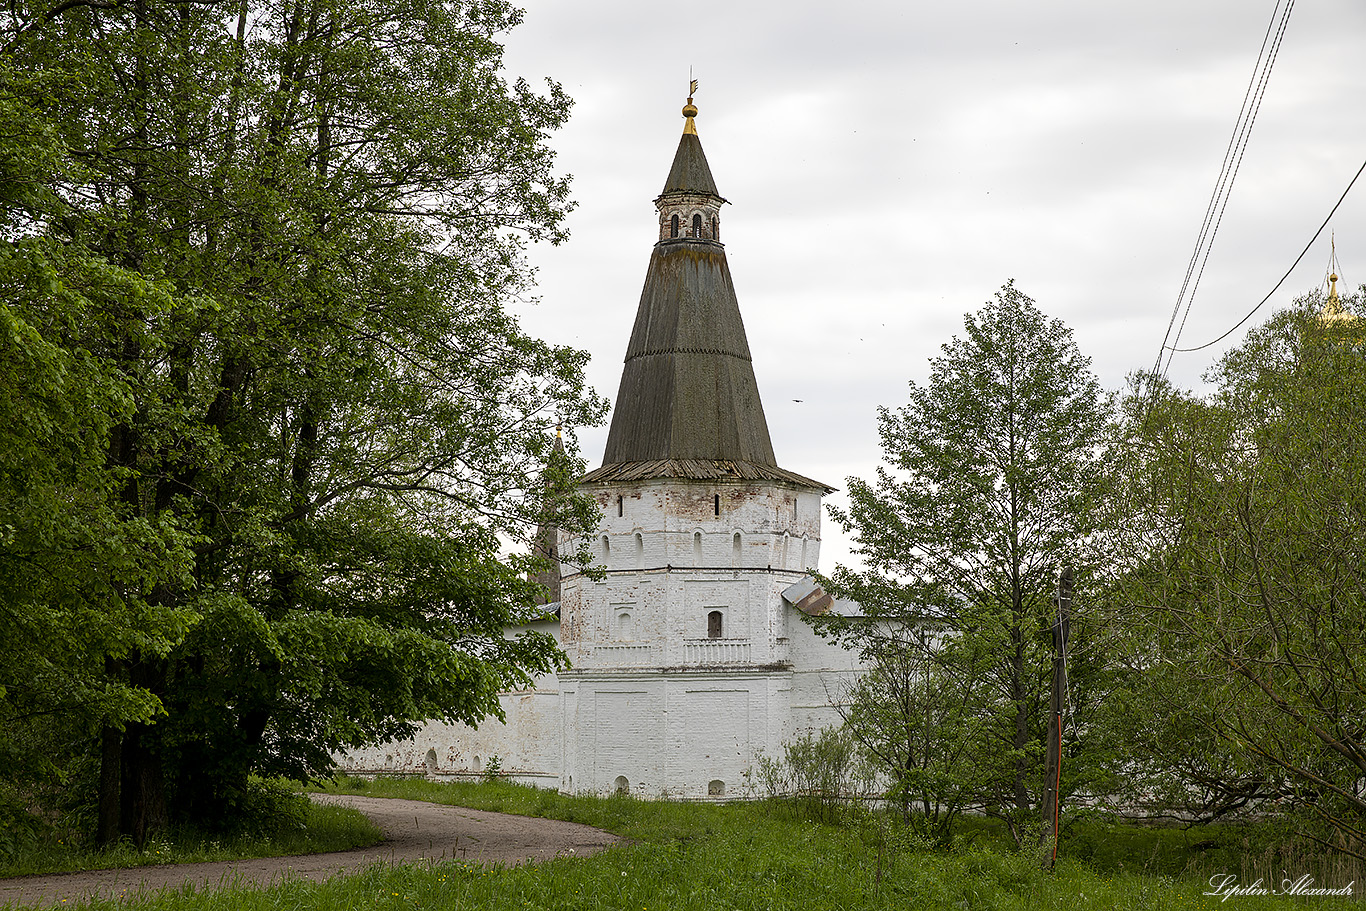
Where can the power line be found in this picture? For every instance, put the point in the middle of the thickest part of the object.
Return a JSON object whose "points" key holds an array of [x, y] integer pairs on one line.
{"points": [[1261, 90], [1228, 172], [1219, 184], [1287, 271]]}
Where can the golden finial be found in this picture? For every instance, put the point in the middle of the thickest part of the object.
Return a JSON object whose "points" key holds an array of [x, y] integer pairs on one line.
{"points": [[1334, 314], [690, 109]]}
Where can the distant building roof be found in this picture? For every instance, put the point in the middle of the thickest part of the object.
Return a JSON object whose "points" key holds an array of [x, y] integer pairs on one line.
{"points": [[807, 596], [546, 544]]}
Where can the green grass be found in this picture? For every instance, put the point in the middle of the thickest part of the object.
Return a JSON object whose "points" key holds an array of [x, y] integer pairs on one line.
{"points": [[1268, 850], [321, 829], [690, 856]]}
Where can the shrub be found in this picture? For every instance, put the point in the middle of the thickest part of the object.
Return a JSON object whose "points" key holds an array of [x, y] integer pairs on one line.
{"points": [[493, 769], [820, 771]]}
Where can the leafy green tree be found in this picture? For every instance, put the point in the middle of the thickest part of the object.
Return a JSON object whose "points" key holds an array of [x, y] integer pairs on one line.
{"points": [[299, 222], [922, 727], [1248, 569], [986, 488], [71, 565]]}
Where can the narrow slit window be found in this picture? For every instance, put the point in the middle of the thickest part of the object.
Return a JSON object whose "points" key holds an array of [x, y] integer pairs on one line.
{"points": [[697, 226], [716, 504], [621, 508], [715, 232], [714, 624], [697, 548], [673, 226]]}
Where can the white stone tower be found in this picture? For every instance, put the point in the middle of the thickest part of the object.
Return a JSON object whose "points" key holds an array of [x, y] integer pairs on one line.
{"points": [[690, 656], [683, 656]]}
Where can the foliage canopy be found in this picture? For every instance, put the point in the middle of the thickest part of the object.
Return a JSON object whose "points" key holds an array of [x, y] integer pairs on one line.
{"points": [[988, 484], [1247, 574], [268, 420]]}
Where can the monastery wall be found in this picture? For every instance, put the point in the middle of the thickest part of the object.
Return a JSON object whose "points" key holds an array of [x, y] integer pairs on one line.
{"points": [[528, 745], [680, 735], [822, 673]]}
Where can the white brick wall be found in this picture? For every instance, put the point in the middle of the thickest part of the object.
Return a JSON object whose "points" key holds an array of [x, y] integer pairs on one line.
{"points": [[650, 698]]}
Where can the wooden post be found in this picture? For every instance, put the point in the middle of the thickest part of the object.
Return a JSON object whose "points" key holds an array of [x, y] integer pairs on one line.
{"points": [[1052, 799]]}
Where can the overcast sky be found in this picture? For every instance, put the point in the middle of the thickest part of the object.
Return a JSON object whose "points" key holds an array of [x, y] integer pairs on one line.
{"points": [[891, 164]]}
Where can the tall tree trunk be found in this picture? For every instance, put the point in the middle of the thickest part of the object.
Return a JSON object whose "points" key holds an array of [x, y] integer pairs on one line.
{"points": [[123, 453], [143, 805], [111, 750], [1021, 738]]}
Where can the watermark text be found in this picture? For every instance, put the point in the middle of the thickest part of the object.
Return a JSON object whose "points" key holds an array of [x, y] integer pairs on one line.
{"points": [[1224, 886]]}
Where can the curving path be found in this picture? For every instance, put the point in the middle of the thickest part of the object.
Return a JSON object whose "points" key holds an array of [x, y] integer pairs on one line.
{"points": [[414, 831]]}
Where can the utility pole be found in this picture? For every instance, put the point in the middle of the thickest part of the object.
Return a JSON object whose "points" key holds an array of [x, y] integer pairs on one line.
{"points": [[1052, 799]]}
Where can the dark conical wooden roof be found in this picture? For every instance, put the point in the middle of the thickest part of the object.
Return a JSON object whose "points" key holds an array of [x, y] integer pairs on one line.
{"points": [[690, 172], [688, 405], [688, 389]]}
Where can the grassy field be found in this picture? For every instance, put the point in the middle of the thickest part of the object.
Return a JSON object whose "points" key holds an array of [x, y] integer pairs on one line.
{"points": [[768, 856], [310, 829]]}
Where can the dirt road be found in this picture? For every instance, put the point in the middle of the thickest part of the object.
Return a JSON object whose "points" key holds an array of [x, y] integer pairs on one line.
{"points": [[413, 832]]}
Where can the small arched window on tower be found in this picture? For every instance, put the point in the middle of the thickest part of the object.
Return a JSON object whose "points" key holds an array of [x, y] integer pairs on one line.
{"points": [[640, 551], [606, 549], [621, 507], [697, 225], [715, 229], [673, 226], [714, 624], [716, 504]]}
